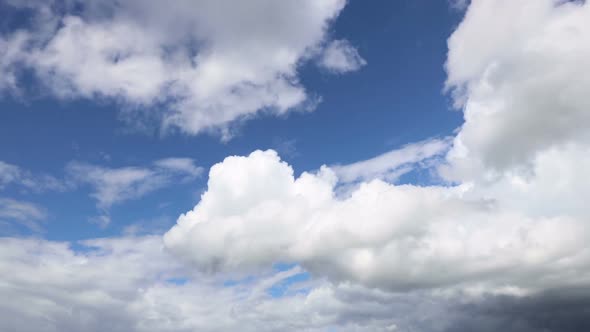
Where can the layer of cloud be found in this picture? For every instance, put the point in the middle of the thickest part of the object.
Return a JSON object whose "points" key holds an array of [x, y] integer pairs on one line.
{"points": [[340, 56], [204, 64], [131, 284], [115, 185]]}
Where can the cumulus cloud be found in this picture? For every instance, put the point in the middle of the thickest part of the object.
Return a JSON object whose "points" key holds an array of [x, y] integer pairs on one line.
{"points": [[520, 75], [397, 237], [197, 65], [340, 56], [115, 185]]}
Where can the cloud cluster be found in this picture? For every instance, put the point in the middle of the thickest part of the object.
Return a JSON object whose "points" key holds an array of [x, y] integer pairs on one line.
{"points": [[503, 246], [199, 65], [512, 219]]}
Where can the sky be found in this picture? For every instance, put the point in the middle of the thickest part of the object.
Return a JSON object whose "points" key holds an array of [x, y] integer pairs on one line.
{"points": [[297, 165]]}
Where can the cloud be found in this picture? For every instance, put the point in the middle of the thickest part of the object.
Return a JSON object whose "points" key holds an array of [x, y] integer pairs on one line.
{"points": [[391, 165], [340, 56], [23, 213], [115, 185], [395, 237], [196, 66], [131, 284], [8, 173], [519, 75], [12, 175]]}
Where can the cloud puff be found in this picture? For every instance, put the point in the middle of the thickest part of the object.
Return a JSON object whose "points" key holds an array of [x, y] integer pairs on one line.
{"points": [[340, 56], [205, 64], [513, 213]]}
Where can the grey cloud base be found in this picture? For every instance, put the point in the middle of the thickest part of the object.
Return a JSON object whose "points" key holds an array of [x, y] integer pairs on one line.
{"points": [[127, 285]]}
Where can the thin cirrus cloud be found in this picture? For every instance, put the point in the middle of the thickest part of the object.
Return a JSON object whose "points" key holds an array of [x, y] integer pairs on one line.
{"points": [[210, 63], [390, 165], [13, 175], [17, 212], [115, 185]]}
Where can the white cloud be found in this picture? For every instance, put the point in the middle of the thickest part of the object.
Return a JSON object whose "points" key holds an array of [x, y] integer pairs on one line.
{"points": [[519, 70], [127, 284], [115, 185], [391, 165], [24, 213], [256, 213], [204, 64], [8, 173], [340, 56], [12, 175]]}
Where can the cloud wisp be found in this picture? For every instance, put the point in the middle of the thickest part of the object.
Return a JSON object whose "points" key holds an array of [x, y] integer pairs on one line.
{"points": [[112, 186]]}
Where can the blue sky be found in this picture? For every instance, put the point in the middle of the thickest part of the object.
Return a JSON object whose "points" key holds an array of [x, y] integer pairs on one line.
{"points": [[398, 98], [296, 165]]}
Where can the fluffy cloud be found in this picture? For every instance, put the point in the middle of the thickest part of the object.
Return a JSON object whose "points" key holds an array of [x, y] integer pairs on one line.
{"points": [[205, 63], [341, 57], [520, 75], [255, 213], [114, 185]]}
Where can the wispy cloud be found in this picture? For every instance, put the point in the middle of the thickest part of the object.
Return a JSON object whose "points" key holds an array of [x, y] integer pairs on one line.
{"points": [[12, 175], [391, 165], [112, 186], [23, 213]]}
